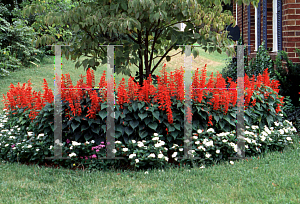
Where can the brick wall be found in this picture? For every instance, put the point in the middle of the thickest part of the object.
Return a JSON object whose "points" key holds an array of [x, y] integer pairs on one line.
{"points": [[291, 28]]}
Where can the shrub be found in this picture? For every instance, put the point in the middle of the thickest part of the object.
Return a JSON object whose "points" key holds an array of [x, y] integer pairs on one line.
{"points": [[16, 44]]}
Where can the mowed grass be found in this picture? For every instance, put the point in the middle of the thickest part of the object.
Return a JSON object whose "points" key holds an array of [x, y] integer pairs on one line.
{"points": [[45, 70], [270, 178]]}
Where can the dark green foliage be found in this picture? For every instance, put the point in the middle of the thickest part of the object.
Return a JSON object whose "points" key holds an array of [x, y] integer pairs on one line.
{"points": [[16, 48], [255, 67]]}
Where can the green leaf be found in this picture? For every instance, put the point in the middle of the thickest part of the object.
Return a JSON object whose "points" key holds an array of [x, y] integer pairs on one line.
{"points": [[141, 105], [102, 114], [143, 134], [147, 121], [142, 115], [173, 38], [134, 124], [177, 126], [128, 130], [74, 126], [156, 114], [134, 105], [117, 114], [153, 125]]}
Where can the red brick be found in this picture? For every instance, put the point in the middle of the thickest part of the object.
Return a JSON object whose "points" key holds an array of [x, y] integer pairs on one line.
{"points": [[288, 44], [290, 1], [293, 39], [297, 1], [297, 22], [293, 17], [293, 28], [290, 33], [298, 10], [290, 22]]}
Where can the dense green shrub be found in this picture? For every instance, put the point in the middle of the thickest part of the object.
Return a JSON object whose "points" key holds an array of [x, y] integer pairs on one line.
{"points": [[16, 48], [255, 67]]}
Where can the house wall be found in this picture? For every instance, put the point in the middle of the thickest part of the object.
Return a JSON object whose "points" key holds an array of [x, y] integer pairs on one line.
{"points": [[291, 28]]}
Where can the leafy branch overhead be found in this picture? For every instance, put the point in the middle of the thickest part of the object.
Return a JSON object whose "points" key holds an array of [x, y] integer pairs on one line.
{"points": [[144, 28]]}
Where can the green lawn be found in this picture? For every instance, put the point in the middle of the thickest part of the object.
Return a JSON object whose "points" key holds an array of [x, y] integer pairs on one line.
{"points": [[273, 178]]}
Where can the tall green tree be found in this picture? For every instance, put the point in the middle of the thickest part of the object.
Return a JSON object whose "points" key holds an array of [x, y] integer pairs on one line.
{"points": [[144, 27]]}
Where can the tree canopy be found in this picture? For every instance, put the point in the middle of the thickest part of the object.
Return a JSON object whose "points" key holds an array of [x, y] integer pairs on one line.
{"points": [[144, 27]]}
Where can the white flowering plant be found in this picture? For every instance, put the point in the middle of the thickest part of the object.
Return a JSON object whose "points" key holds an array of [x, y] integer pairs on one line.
{"points": [[206, 145]]}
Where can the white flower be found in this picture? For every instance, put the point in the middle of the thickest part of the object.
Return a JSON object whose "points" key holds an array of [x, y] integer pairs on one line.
{"points": [[144, 141], [160, 156], [247, 127], [72, 154], [87, 142], [210, 130], [248, 133], [217, 151], [267, 130], [207, 155], [29, 146], [276, 123], [114, 151], [254, 127], [197, 142], [270, 139], [6, 145], [140, 144], [254, 141], [246, 146], [195, 137], [71, 147], [146, 172], [12, 137], [166, 158], [125, 149], [74, 143], [180, 149], [155, 134], [222, 134], [231, 162], [157, 145], [210, 143], [133, 141], [288, 138], [155, 138], [281, 114], [166, 148], [117, 142], [37, 150], [137, 160], [41, 135], [30, 133], [162, 143], [202, 167], [201, 147], [224, 140], [174, 154], [51, 147], [263, 138], [285, 130], [281, 131], [248, 140], [199, 131], [131, 156], [152, 155], [93, 141]]}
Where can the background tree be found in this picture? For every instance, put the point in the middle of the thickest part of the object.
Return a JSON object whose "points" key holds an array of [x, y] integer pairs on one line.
{"points": [[144, 28]]}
